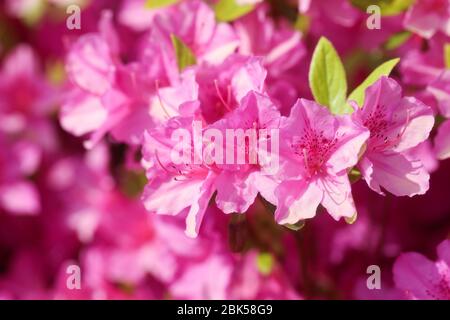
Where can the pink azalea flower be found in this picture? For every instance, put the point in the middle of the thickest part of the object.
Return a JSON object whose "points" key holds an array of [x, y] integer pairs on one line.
{"points": [[20, 197], [345, 25], [239, 184], [279, 45], [208, 279], [316, 151], [171, 188], [189, 187], [440, 89], [25, 101], [427, 155], [106, 95], [442, 141], [281, 50], [210, 91], [396, 125], [421, 67], [340, 12], [426, 17], [210, 42], [20, 160], [249, 282], [26, 96], [194, 23], [420, 278], [135, 15]]}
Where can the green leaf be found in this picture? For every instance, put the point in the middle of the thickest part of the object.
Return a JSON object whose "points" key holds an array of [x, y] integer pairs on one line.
{"points": [[327, 78], [384, 69], [352, 219], [156, 4], [354, 175], [55, 72], [396, 40], [34, 13], [229, 10], [295, 227], [185, 57], [132, 183], [302, 23], [265, 263], [387, 7], [447, 55]]}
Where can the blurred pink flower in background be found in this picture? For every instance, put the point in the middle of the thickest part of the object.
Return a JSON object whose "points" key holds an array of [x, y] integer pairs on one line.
{"points": [[87, 124], [420, 278]]}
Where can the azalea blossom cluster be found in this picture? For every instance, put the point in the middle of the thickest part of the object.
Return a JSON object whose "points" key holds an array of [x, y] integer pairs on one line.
{"points": [[196, 150]]}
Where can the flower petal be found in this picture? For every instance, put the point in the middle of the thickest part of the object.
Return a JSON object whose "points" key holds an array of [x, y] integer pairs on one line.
{"points": [[337, 197], [399, 175], [442, 141], [297, 200]]}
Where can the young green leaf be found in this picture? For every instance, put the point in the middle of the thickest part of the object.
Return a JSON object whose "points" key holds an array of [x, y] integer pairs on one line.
{"points": [[185, 57], [384, 69], [327, 78], [156, 4], [302, 23], [387, 7], [295, 227], [354, 175], [229, 10], [265, 263], [447, 55], [352, 219], [397, 40]]}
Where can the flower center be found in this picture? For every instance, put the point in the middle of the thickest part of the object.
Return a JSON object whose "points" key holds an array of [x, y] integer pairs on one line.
{"points": [[442, 287], [314, 148], [382, 133], [377, 124]]}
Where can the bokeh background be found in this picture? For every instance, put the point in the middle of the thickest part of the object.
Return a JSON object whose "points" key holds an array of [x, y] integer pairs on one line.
{"points": [[62, 204]]}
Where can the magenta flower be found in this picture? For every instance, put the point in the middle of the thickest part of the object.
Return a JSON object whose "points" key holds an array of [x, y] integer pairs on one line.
{"points": [[194, 23], [205, 151], [174, 188], [341, 12], [442, 141], [239, 183], [281, 47], [135, 15], [396, 125], [105, 96], [421, 278], [210, 91], [426, 17], [419, 66], [18, 194], [26, 96], [440, 90], [281, 50], [26, 100], [316, 151]]}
